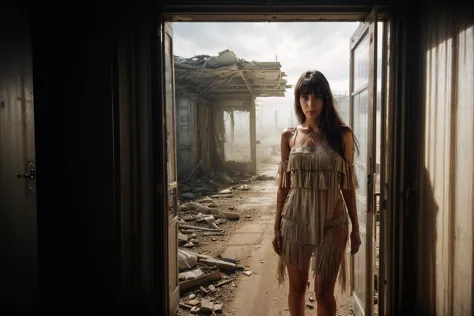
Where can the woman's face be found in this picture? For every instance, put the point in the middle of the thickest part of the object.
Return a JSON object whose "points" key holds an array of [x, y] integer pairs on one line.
{"points": [[311, 105]]}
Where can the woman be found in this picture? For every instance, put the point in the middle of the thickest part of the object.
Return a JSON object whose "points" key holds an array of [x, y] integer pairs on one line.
{"points": [[316, 184]]}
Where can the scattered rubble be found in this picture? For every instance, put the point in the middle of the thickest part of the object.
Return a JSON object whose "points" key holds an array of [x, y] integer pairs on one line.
{"points": [[199, 289], [204, 214]]}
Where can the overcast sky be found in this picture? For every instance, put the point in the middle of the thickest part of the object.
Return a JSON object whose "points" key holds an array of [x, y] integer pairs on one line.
{"points": [[299, 46]]}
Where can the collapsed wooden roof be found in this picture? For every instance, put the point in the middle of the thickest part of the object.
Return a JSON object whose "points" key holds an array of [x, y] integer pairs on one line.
{"points": [[227, 79]]}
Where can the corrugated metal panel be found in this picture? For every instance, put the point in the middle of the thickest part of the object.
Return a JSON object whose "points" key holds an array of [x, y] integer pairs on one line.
{"points": [[445, 242]]}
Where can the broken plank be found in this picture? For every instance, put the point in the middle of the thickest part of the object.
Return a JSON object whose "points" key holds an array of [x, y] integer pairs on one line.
{"points": [[185, 306], [220, 264], [222, 196], [197, 208], [221, 233], [189, 231], [186, 286], [224, 282], [198, 228]]}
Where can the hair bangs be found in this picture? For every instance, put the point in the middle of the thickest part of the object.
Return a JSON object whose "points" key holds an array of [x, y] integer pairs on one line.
{"points": [[309, 86]]}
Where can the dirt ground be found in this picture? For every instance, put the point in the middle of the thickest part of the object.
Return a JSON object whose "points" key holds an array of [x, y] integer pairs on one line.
{"points": [[249, 241]]}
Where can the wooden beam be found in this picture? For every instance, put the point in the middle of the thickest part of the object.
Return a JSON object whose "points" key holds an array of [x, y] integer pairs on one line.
{"points": [[253, 138], [247, 83], [210, 87]]}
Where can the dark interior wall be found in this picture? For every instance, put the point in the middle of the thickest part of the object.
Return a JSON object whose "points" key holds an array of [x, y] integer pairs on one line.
{"points": [[18, 242], [97, 246], [74, 114], [407, 100]]}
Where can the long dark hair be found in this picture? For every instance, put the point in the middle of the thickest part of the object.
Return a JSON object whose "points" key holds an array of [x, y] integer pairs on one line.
{"points": [[331, 124]]}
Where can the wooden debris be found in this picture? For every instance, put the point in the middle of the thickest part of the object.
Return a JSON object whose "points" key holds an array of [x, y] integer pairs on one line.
{"points": [[221, 233], [225, 266], [185, 306], [224, 282], [227, 259], [188, 285], [181, 226], [222, 196], [203, 290], [189, 231], [225, 191], [195, 207]]}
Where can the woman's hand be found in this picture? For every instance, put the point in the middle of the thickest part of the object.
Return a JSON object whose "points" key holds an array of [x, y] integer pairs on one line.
{"points": [[277, 243], [355, 241]]}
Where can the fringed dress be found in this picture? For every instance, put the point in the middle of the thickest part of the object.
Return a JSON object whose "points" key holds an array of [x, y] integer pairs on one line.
{"points": [[314, 206]]}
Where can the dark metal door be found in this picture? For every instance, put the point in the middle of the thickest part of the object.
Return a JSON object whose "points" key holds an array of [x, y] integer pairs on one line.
{"points": [[18, 225], [362, 106], [170, 134]]}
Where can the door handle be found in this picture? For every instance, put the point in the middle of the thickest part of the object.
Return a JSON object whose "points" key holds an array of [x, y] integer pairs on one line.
{"points": [[25, 176], [31, 174]]}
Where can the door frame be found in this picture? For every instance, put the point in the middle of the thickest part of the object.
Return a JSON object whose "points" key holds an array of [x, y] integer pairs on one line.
{"points": [[169, 12], [166, 30], [366, 31]]}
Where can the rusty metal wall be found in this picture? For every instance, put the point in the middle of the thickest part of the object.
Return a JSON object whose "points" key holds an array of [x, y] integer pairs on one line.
{"points": [[446, 187]]}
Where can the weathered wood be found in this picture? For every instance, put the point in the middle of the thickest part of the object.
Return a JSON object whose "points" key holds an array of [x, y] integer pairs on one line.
{"points": [[186, 286], [185, 306], [220, 264], [222, 196], [221, 233], [224, 282], [198, 228], [197, 208]]}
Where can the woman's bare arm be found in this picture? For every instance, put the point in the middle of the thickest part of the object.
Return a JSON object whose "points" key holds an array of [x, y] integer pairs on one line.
{"points": [[283, 192], [350, 195]]}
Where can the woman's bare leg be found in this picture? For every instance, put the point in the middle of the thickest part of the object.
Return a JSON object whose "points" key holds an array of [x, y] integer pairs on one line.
{"points": [[324, 285], [324, 292], [296, 298]]}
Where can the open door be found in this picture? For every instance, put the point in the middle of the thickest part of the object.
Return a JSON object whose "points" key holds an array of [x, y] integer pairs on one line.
{"points": [[18, 215], [363, 75], [170, 134]]}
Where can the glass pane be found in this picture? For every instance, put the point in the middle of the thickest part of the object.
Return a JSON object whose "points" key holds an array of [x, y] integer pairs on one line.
{"points": [[170, 111], [361, 64], [360, 130], [342, 106]]}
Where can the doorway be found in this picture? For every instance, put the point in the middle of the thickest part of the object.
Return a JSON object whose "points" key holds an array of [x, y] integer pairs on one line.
{"points": [[367, 114]]}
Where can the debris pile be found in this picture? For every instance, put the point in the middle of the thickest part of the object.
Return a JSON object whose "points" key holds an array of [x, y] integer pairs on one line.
{"points": [[205, 209], [201, 278], [211, 183]]}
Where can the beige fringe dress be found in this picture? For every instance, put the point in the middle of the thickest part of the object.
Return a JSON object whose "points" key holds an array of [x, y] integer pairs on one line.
{"points": [[313, 207]]}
